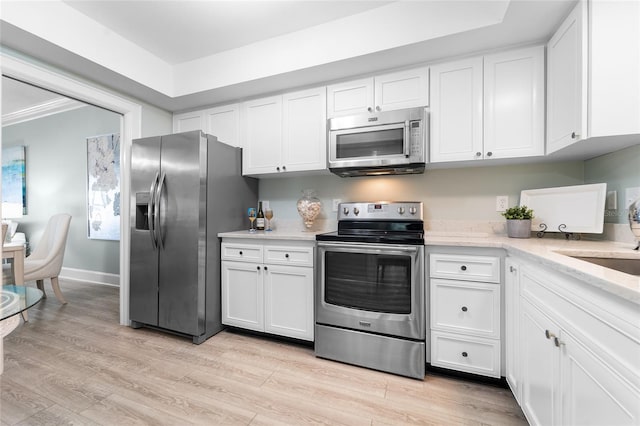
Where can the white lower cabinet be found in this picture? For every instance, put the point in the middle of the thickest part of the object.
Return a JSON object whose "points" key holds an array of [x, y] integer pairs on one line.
{"points": [[268, 287], [465, 323], [574, 350]]}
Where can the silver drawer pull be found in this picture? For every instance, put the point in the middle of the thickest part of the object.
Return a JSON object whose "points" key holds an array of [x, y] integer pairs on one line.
{"points": [[286, 255], [464, 354], [463, 267], [549, 335], [240, 253], [464, 309]]}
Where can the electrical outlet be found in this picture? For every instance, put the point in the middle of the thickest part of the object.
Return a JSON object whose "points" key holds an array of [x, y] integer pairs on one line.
{"points": [[612, 200], [336, 203], [502, 203], [630, 195]]}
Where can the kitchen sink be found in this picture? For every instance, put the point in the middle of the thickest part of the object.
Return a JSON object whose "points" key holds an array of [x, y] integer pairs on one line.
{"points": [[628, 266]]}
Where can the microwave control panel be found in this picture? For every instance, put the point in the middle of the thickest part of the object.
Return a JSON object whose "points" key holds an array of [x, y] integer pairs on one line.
{"points": [[416, 147]]}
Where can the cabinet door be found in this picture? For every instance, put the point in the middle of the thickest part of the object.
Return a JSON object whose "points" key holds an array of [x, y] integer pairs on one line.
{"points": [[351, 97], [456, 111], [243, 295], [514, 103], [512, 326], [567, 81], [305, 130], [224, 123], [289, 301], [593, 393], [404, 89], [262, 131], [540, 366], [188, 121]]}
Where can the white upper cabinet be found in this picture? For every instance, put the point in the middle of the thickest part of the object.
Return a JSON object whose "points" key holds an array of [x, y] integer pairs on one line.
{"points": [[352, 97], [593, 64], [566, 82], [304, 142], [488, 107], [188, 121], [262, 135], [402, 89], [285, 133], [456, 111], [224, 123], [514, 103]]}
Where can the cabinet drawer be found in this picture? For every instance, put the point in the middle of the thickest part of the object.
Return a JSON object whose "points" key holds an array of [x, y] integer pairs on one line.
{"points": [[464, 267], [465, 307], [241, 252], [462, 353], [285, 255]]}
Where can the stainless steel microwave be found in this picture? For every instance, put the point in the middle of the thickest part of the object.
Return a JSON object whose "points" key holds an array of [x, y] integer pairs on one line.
{"points": [[389, 142]]}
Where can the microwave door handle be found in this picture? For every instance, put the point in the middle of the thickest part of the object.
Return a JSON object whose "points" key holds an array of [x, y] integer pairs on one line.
{"points": [[407, 139]]}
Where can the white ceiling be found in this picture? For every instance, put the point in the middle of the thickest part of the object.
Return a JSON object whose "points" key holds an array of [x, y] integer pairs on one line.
{"points": [[183, 33], [180, 31]]}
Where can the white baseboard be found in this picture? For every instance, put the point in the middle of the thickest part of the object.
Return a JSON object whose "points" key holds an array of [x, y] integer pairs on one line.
{"points": [[90, 276]]}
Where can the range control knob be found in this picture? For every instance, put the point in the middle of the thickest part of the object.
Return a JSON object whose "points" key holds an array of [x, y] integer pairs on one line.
{"points": [[413, 210], [356, 211], [401, 210], [345, 211]]}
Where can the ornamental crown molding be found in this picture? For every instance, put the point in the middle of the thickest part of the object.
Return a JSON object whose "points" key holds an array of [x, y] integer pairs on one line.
{"points": [[41, 110]]}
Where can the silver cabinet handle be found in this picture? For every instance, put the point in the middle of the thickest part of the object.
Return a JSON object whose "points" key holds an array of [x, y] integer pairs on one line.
{"points": [[378, 108], [278, 168], [512, 269], [574, 135], [549, 335], [284, 168], [370, 109], [463, 268], [464, 309], [464, 354], [489, 154], [558, 342], [478, 154]]}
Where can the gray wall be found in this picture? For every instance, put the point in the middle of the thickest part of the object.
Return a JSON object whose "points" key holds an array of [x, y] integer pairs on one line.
{"points": [[448, 194], [619, 170], [56, 162]]}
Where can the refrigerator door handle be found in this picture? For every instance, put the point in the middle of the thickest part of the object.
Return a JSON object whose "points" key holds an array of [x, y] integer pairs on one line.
{"points": [[158, 226], [151, 211]]}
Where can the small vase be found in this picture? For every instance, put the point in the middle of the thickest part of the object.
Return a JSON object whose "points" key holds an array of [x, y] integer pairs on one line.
{"points": [[519, 228], [309, 207]]}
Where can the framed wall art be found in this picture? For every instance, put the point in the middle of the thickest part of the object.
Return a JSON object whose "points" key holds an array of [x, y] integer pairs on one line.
{"points": [[14, 182], [103, 187]]}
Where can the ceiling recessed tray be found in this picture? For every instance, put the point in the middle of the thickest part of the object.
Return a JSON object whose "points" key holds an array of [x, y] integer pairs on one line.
{"points": [[580, 207]]}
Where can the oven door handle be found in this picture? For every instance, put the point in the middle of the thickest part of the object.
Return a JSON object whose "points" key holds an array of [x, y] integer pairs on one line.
{"points": [[368, 247]]}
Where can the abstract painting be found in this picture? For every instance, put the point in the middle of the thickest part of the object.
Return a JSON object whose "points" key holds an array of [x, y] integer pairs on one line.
{"points": [[14, 178], [103, 187]]}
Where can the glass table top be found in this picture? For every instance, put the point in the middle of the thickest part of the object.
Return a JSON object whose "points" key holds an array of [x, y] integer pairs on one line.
{"points": [[15, 299]]}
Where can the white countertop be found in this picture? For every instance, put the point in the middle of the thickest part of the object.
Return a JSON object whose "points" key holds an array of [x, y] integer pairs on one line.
{"points": [[551, 252]]}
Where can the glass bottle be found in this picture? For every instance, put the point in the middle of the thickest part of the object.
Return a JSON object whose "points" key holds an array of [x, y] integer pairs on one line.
{"points": [[260, 218]]}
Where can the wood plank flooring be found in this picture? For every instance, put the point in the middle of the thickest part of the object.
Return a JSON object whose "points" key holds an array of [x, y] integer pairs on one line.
{"points": [[74, 364]]}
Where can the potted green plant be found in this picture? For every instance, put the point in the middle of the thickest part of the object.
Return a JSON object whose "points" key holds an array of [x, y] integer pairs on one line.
{"points": [[518, 221]]}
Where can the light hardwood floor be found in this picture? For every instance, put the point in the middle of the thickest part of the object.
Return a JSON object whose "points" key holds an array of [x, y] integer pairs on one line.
{"points": [[74, 364]]}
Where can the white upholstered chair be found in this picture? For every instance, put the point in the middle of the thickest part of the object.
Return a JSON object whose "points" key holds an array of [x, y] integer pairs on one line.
{"points": [[46, 259]]}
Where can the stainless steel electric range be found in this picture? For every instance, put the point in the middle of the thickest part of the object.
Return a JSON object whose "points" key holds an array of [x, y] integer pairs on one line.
{"points": [[370, 288]]}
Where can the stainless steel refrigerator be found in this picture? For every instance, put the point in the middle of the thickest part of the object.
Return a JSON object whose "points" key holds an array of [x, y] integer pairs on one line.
{"points": [[185, 188]]}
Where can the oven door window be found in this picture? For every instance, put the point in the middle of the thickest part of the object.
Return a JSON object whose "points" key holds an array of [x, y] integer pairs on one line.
{"points": [[377, 142], [371, 282]]}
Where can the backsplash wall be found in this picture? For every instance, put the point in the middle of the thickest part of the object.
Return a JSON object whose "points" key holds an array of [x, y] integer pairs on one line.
{"points": [[462, 194]]}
